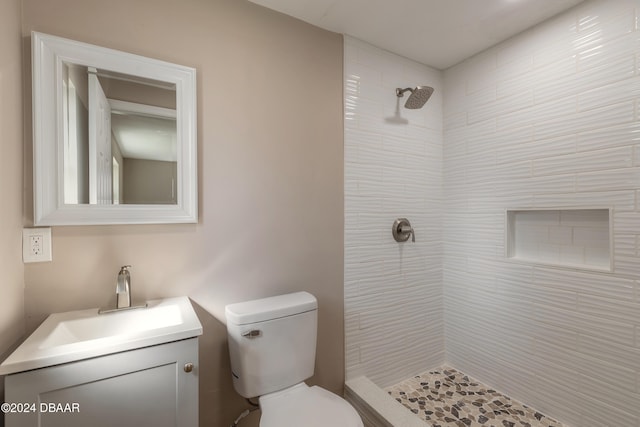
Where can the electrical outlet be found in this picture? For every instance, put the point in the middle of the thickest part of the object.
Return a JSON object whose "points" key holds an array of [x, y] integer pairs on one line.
{"points": [[36, 245]]}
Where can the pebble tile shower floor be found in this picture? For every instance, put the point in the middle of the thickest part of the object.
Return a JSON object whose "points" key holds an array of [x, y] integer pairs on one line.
{"points": [[446, 397]]}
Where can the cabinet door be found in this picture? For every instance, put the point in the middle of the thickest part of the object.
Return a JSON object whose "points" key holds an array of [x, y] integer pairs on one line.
{"points": [[144, 387]]}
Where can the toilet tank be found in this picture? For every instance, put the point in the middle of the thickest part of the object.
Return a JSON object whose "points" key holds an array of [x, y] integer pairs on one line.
{"points": [[272, 342]]}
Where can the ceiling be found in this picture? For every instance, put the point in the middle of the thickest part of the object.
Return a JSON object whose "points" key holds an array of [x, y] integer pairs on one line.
{"points": [[144, 137], [438, 33]]}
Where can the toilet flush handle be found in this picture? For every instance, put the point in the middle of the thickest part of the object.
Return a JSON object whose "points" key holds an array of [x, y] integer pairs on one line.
{"points": [[254, 333]]}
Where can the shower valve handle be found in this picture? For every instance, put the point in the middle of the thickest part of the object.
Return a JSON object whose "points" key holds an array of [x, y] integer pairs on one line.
{"points": [[402, 229], [408, 229]]}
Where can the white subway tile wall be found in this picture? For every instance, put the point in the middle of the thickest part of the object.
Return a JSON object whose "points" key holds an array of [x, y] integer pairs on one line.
{"points": [[548, 120], [393, 169]]}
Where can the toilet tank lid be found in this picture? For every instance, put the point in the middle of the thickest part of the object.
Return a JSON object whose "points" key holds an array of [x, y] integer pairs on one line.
{"points": [[270, 308]]}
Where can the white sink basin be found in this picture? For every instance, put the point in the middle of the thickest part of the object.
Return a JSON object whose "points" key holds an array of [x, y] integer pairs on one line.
{"points": [[75, 335]]}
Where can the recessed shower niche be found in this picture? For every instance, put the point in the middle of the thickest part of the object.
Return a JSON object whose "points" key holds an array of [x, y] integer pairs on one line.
{"points": [[575, 238]]}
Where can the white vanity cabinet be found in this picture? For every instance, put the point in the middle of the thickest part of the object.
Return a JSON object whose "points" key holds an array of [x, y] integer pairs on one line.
{"points": [[150, 386]]}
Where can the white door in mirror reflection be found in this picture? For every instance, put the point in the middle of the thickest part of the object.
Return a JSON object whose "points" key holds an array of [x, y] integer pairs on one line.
{"points": [[100, 167]]}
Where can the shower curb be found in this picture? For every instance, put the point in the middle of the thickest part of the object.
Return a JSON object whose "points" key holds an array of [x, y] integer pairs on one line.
{"points": [[376, 407]]}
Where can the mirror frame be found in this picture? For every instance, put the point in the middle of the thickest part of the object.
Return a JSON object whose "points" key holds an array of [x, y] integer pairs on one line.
{"points": [[48, 55]]}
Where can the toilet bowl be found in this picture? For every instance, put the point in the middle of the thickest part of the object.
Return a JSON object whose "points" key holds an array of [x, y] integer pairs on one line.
{"points": [[302, 405], [272, 346]]}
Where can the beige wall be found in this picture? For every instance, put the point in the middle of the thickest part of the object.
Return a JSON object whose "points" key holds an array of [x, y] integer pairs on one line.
{"points": [[270, 175], [149, 181], [12, 283]]}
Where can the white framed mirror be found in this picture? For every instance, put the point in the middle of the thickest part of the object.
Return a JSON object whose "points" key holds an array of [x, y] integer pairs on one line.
{"points": [[114, 136]]}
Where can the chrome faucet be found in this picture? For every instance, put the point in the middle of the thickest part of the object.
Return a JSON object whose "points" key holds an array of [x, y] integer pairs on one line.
{"points": [[123, 293], [123, 288]]}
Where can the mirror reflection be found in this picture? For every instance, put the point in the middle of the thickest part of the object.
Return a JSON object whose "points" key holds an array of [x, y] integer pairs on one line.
{"points": [[120, 138]]}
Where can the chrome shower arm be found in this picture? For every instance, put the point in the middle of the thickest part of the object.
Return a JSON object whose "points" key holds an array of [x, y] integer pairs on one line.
{"points": [[400, 92]]}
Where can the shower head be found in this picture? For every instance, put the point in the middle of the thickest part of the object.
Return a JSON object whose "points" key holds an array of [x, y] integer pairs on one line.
{"points": [[419, 96]]}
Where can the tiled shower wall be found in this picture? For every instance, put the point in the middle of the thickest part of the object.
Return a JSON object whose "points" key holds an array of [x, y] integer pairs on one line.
{"points": [[548, 120], [393, 168]]}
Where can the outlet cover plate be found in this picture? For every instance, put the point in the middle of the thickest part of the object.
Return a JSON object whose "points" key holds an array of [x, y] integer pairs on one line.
{"points": [[36, 245]]}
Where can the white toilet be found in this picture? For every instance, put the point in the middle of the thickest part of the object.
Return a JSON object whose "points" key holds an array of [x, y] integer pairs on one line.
{"points": [[272, 344]]}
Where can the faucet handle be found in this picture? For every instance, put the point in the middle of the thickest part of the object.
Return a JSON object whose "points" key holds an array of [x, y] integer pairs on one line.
{"points": [[402, 230], [124, 271], [124, 277]]}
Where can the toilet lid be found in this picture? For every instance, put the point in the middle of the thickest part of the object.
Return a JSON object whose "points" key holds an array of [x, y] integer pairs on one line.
{"points": [[302, 405]]}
